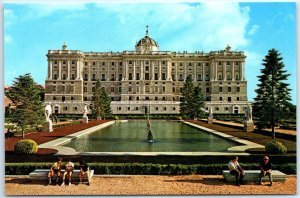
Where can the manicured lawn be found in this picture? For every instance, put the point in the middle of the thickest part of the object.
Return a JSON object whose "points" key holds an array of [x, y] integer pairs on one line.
{"points": [[251, 136]]}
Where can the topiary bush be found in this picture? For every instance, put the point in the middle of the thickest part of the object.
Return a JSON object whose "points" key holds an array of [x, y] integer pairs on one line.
{"points": [[26, 146], [275, 147]]}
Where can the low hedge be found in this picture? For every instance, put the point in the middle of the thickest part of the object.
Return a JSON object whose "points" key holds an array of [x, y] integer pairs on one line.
{"points": [[146, 169]]}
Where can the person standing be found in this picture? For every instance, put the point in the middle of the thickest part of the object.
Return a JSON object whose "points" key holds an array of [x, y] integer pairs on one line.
{"points": [[55, 170], [266, 169], [84, 170], [69, 168], [236, 169]]}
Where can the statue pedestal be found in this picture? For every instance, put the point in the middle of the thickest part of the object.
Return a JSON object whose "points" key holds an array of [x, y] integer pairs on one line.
{"points": [[248, 126], [49, 125], [210, 120], [85, 119]]}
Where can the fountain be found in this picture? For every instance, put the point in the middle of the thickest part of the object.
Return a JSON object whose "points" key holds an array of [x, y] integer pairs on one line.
{"points": [[150, 135]]}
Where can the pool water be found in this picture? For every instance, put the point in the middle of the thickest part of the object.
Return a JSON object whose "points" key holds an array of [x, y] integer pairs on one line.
{"points": [[169, 136]]}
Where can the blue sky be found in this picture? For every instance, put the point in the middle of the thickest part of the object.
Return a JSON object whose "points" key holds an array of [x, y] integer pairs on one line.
{"points": [[30, 30]]}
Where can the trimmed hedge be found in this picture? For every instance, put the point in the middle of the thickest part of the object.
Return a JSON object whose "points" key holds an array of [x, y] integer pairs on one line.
{"points": [[146, 169], [26, 146], [275, 147]]}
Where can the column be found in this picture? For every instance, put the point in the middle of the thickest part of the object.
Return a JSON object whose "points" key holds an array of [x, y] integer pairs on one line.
{"points": [[123, 70], [77, 69], [68, 65], [59, 70], [117, 72], [89, 68], [224, 71], [176, 71], [50, 74], [211, 70], [152, 70], [184, 71], [108, 72], [195, 72], [168, 71], [242, 71], [232, 74], [142, 70], [134, 70], [203, 72], [159, 70], [216, 71]]}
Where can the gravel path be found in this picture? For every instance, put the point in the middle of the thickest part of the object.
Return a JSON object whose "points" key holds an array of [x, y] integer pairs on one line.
{"points": [[149, 185]]}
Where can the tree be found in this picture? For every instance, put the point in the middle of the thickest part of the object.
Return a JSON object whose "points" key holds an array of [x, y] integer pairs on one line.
{"points": [[101, 102], [273, 94], [187, 97], [25, 94], [198, 103]]}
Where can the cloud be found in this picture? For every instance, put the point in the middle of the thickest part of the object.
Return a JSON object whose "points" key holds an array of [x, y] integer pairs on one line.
{"points": [[8, 38], [253, 29], [185, 26]]}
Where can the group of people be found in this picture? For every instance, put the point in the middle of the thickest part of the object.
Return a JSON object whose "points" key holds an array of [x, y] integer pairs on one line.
{"points": [[236, 169], [56, 168]]}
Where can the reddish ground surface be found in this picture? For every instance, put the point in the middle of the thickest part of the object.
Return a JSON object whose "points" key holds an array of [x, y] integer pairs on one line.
{"points": [[42, 137]]}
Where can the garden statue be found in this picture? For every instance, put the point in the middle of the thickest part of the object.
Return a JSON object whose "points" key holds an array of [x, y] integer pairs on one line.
{"points": [[48, 113], [210, 116], [248, 123], [85, 118]]}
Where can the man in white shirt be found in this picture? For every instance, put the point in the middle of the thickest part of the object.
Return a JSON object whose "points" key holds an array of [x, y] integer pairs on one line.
{"points": [[69, 168], [236, 169]]}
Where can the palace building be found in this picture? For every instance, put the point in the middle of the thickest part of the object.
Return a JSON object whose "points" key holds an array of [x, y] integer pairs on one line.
{"points": [[146, 77]]}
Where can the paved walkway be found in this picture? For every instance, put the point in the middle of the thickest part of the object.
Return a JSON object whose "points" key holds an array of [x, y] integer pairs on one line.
{"points": [[149, 185]]}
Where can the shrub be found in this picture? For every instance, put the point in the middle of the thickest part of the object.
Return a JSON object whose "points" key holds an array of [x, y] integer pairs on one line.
{"points": [[26, 146], [275, 147]]}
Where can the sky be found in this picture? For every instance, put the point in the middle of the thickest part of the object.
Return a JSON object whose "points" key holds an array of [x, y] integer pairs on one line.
{"points": [[30, 30]]}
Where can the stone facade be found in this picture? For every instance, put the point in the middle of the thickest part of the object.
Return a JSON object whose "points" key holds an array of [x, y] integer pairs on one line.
{"points": [[145, 77]]}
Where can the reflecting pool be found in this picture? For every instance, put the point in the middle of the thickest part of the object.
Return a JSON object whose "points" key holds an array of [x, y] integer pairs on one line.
{"points": [[169, 136]]}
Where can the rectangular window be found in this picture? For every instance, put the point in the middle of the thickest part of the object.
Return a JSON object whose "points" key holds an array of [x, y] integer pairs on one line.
{"points": [[156, 76], [130, 76], [120, 76], [63, 88], [112, 89], [238, 89], [164, 89], [94, 63], [54, 88], [221, 98], [229, 89], [220, 89], [120, 89], [103, 77], [93, 89], [163, 76], [137, 76], [237, 98]]}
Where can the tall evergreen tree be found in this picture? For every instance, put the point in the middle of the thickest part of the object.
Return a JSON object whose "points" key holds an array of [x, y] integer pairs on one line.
{"points": [[186, 107], [101, 102], [26, 95], [198, 103], [273, 94]]}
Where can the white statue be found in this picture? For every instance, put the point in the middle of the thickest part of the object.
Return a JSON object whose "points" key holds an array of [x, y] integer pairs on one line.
{"points": [[249, 113], [210, 112], [85, 119], [48, 112]]}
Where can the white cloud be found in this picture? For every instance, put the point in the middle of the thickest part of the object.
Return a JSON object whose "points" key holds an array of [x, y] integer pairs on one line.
{"points": [[253, 29], [8, 38], [182, 26]]}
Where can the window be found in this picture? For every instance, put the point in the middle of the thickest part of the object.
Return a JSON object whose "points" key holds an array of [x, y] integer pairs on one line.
{"points": [[229, 89], [173, 64], [75, 108], [130, 98], [136, 108], [73, 76], [156, 76], [54, 98], [217, 109], [236, 63], [130, 76], [63, 88], [94, 77], [199, 64], [220, 89], [120, 76], [85, 99], [190, 64], [94, 63], [174, 90], [199, 77], [237, 98], [112, 63], [63, 98], [147, 98], [65, 108], [220, 63], [120, 63], [207, 89], [120, 89], [226, 108], [156, 98], [55, 76], [54, 88], [156, 108], [163, 62], [85, 89], [163, 98], [229, 99], [130, 89], [103, 77], [181, 77], [64, 76], [147, 76], [85, 77], [64, 62], [165, 108], [137, 76], [130, 62], [93, 89], [238, 89], [221, 98], [72, 98], [137, 98], [228, 63], [55, 62], [164, 89], [112, 89], [163, 76]]}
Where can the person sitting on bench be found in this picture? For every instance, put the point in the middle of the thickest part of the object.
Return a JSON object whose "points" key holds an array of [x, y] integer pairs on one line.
{"points": [[266, 169], [84, 170], [236, 169], [69, 168], [55, 170]]}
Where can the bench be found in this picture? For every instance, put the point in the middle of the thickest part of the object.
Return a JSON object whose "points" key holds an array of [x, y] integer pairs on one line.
{"points": [[42, 175], [253, 176]]}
